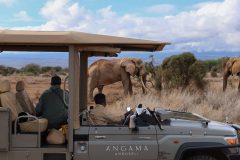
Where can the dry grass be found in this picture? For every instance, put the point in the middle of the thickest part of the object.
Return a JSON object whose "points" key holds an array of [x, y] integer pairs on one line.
{"points": [[212, 103]]}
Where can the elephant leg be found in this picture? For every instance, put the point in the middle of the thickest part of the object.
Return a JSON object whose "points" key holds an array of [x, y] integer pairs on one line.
{"points": [[225, 79], [239, 85], [100, 88], [126, 88], [130, 87], [126, 84]]}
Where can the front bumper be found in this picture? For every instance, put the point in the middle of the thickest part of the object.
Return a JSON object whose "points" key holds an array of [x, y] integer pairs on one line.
{"points": [[234, 157], [237, 156]]}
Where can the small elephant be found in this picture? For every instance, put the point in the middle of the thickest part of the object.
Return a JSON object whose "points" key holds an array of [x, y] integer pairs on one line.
{"points": [[104, 72], [232, 67]]}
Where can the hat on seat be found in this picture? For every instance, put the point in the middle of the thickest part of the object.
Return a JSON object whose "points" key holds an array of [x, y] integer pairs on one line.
{"points": [[5, 86], [20, 86]]}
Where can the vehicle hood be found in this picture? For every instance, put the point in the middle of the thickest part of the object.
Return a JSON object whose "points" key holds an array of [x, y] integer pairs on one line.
{"points": [[189, 127]]}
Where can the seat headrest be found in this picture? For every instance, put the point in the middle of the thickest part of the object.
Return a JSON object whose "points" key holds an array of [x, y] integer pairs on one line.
{"points": [[20, 86], [5, 86]]}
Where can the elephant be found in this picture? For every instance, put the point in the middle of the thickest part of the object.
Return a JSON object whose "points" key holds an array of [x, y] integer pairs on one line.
{"points": [[104, 72], [232, 67]]}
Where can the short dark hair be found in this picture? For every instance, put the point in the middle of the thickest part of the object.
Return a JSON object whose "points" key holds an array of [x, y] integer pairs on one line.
{"points": [[100, 99], [56, 80]]}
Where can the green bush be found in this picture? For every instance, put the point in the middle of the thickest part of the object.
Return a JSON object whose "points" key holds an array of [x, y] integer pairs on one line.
{"points": [[211, 63], [158, 79], [31, 69], [46, 69], [175, 70], [214, 71], [178, 71], [3, 70], [11, 70], [57, 69], [198, 71], [215, 66], [66, 69], [6, 71]]}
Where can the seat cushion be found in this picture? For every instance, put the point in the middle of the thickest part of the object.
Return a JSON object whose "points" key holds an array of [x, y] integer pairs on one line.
{"points": [[8, 100], [25, 102], [5, 86], [32, 126]]}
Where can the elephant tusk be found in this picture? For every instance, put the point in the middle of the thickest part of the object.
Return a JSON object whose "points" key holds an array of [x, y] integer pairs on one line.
{"points": [[146, 88]]}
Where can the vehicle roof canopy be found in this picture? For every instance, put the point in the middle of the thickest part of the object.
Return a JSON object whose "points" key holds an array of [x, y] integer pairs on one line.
{"points": [[58, 41]]}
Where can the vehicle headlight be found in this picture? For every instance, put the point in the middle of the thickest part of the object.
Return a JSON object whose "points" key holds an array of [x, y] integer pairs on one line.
{"points": [[231, 140]]}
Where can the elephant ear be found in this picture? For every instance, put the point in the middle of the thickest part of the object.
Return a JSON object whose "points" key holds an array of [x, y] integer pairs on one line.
{"points": [[230, 63], [129, 66]]}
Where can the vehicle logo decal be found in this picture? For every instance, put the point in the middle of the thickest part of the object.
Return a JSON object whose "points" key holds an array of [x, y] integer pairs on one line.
{"points": [[124, 150]]}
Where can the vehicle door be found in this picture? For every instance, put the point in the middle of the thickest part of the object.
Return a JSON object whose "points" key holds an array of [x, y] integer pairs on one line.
{"points": [[120, 142]]}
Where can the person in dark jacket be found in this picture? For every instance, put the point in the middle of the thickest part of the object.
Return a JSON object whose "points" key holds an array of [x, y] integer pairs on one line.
{"points": [[52, 106]]}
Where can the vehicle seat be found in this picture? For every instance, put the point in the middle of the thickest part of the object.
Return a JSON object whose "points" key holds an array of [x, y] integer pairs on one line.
{"points": [[23, 98], [9, 100]]}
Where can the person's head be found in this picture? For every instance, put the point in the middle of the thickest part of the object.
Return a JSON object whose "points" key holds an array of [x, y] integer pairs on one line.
{"points": [[56, 80], [100, 99]]}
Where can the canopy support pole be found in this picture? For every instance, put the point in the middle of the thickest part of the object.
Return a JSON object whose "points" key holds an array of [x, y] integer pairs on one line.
{"points": [[84, 80], [73, 115]]}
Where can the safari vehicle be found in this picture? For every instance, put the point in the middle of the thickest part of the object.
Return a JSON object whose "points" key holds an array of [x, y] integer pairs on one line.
{"points": [[145, 134]]}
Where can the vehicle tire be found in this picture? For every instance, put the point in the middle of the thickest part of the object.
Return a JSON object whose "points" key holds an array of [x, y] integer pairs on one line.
{"points": [[202, 157]]}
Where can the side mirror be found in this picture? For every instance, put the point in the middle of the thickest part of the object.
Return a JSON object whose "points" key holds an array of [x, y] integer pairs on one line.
{"points": [[132, 124]]}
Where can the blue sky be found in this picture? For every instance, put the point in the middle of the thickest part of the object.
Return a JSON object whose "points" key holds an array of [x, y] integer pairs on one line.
{"points": [[11, 8], [199, 26]]}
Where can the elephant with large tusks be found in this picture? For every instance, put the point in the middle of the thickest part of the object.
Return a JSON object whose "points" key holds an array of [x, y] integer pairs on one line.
{"points": [[104, 72], [232, 67]]}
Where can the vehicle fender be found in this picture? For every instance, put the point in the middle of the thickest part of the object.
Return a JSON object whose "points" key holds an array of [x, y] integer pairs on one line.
{"points": [[194, 146]]}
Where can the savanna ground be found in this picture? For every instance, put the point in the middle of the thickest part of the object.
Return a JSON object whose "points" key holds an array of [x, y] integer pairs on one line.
{"points": [[211, 103]]}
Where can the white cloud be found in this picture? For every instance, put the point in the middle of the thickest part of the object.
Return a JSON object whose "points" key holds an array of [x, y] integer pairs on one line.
{"points": [[209, 27], [22, 16], [62, 14], [7, 2], [107, 12], [161, 8]]}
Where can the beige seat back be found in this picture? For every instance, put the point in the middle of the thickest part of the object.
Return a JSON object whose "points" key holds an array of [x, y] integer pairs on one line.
{"points": [[8, 99], [24, 99]]}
